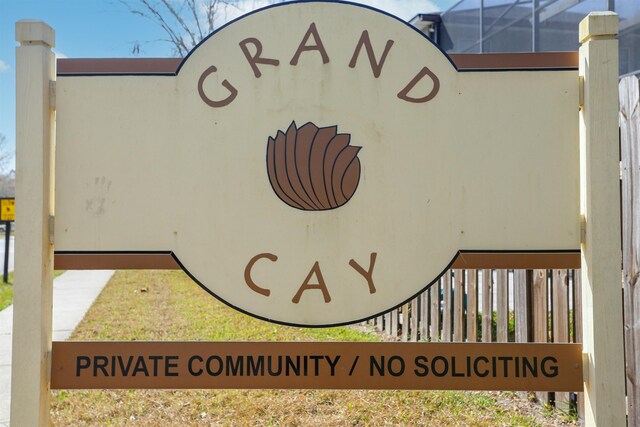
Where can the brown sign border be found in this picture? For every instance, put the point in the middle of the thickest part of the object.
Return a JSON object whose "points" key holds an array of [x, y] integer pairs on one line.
{"points": [[427, 366]]}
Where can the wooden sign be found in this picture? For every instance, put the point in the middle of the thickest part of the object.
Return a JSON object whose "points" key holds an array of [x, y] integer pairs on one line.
{"points": [[321, 365], [319, 174], [7, 210]]}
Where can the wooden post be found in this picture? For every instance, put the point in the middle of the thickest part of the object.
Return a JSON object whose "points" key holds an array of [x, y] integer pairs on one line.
{"points": [[32, 303], [630, 147], [600, 207]]}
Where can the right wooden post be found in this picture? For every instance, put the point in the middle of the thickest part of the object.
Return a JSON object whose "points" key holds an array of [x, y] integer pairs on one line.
{"points": [[600, 207]]}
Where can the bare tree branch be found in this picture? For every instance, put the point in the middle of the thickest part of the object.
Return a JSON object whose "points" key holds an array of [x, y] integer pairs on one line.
{"points": [[186, 22], [178, 18], [177, 40], [194, 11], [211, 7]]}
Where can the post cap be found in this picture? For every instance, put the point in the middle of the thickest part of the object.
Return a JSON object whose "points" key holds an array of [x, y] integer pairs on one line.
{"points": [[32, 31], [599, 25]]}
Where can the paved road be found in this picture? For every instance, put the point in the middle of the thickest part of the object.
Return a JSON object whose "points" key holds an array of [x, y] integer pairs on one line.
{"points": [[73, 294], [11, 252]]}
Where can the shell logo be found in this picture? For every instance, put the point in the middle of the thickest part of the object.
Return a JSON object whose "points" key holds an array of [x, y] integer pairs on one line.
{"points": [[312, 168]]}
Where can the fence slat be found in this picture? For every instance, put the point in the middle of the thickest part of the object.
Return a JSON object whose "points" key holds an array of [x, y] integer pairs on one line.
{"points": [[446, 307], [424, 315], [472, 305], [521, 305], [487, 305], [629, 91], [413, 326], [560, 306], [502, 321], [577, 328], [520, 309], [387, 323], [540, 304], [540, 316], [458, 306], [434, 333], [405, 322], [560, 322], [394, 324]]}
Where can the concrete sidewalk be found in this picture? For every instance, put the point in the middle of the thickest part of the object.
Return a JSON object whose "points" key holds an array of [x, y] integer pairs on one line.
{"points": [[73, 294]]}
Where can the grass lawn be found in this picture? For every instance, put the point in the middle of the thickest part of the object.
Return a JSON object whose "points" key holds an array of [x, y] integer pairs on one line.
{"points": [[6, 289], [6, 292], [154, 305]]}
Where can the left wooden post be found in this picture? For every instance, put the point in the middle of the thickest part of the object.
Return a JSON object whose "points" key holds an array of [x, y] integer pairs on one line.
{"points": [[33, 298]]}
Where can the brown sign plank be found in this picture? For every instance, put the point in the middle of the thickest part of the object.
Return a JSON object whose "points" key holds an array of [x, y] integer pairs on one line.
{"points": [[325, 365], [514, 61], [517, 260], [115, 261], [464, 61], [165, 261]]}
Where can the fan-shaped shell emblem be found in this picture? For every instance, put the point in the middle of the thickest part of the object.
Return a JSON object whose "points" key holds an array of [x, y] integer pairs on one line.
{"points": [[311, 168]]}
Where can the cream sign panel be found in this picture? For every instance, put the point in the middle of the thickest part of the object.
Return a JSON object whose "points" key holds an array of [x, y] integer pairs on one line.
{"points": [[317, 163]]}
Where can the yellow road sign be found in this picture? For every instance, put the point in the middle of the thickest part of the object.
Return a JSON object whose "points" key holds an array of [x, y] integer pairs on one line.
{"points": [[7, 209]]}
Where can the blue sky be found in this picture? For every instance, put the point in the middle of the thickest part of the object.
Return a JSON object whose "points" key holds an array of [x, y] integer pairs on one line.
{"points": [[106, 29]]}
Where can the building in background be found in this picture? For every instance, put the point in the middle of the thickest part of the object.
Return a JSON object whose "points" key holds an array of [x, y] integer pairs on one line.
{"points": [[483, 26]]}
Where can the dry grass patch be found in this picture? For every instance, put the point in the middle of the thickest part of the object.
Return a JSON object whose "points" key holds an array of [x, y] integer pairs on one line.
{"points": [[144, 305]]}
